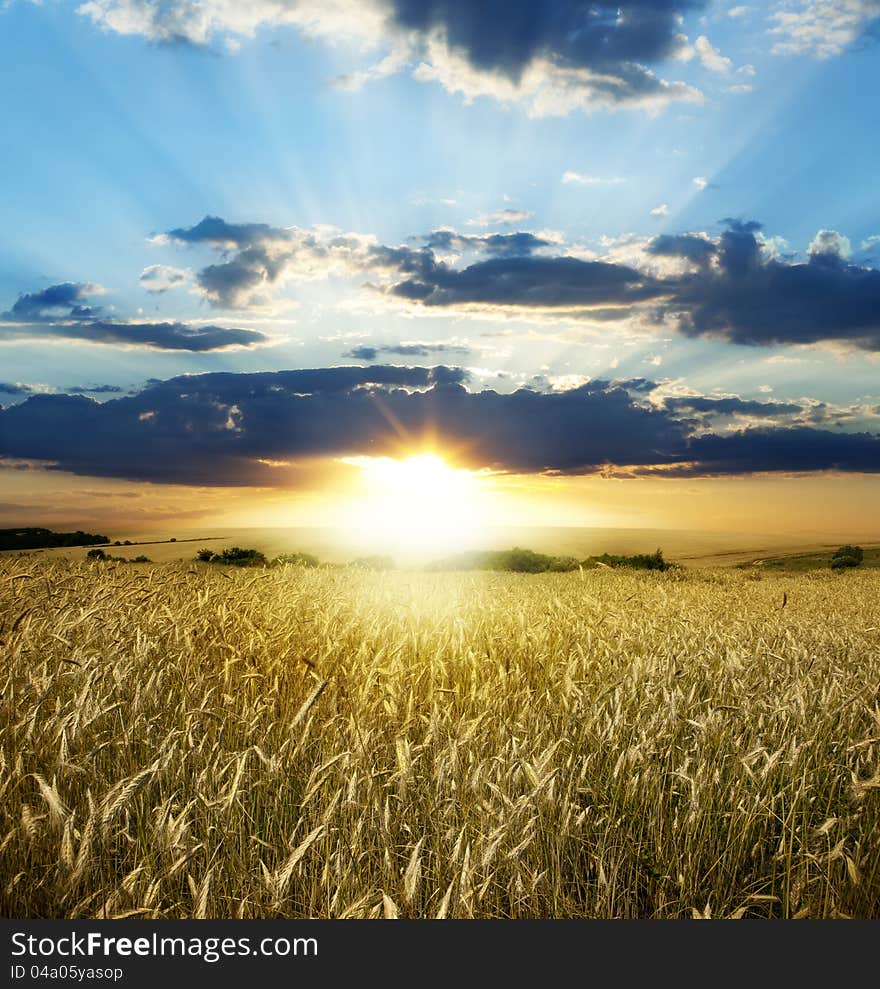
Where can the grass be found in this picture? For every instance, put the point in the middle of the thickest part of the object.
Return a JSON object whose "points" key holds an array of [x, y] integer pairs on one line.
{"points": [[202, 741], [804, 562]]}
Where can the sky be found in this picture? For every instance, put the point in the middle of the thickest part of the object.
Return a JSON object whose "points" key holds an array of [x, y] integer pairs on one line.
{"points": [[616, 264]]}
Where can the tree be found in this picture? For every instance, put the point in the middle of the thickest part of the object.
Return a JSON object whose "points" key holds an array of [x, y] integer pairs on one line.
{"points": [[238, 557], [847, 556]]}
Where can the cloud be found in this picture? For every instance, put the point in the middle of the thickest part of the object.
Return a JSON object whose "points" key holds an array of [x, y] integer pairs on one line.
{"points": [[196, 338], [831, 245], [14, 388], [822, 28], [253, 429], [414, 349], [65, 299], [159, 278], [550, 57], [530, 282], [737, 286], [59, 312], [95, 390], [578, 178], [731, 406], [793, 450], [748, 298], [517, 244], [701, 182], [505, 217], [710, 57], [693, 247], [256, 258], [660, 211]]}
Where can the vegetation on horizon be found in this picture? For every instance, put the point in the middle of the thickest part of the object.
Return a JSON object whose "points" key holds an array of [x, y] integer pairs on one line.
{"points": [[317, 742], [100, 555], [854, 556], [516, 560], [36, 538], [847, 557]]}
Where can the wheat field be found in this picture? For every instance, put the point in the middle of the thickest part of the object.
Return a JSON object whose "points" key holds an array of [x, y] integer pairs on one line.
{"points": [[194, 742]]}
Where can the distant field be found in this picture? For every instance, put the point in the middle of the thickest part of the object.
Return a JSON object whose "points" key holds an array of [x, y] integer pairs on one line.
{"points": [[191, 741], [691, 548], [802, 562]]}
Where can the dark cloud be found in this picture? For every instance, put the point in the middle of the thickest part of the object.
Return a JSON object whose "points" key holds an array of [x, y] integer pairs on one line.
{"points": [[152, 336], [611, 40], [731, 406], [736, 289], [62, 300], [245, 429], [690, 246], [799, 449], [636, 384], [216, 232], [13, 388], [366, 353], [255, 255], [58, 312], [95, 390], [738, 292], [535, 282], [507, 35], [518, 244], [754, 300]]}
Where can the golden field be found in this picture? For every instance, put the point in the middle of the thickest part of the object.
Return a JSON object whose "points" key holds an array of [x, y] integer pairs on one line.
{"points": [[181, 741]]}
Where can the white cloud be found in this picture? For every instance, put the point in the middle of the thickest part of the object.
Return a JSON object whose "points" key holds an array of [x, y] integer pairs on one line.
{"points": [[579, 178], [740, 87], [740, 11], [390, 65], [830, 242], [548, 89], [710, 57], [200, 23], [159, 278], [821, 28], [504, 217], [701, 182], [661, 210]]}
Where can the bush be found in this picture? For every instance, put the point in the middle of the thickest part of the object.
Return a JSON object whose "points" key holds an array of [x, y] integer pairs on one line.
{"points": [[847, 556], [96, 554], [141, 559], [640, 561], [238, 557], [234, 556], [295, 560]]}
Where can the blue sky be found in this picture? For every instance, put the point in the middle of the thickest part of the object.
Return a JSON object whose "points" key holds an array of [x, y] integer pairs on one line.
{"points": [[126, 122]]}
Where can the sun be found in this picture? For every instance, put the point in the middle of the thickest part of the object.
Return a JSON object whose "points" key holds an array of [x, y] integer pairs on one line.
{"points": [[415, 505]]}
